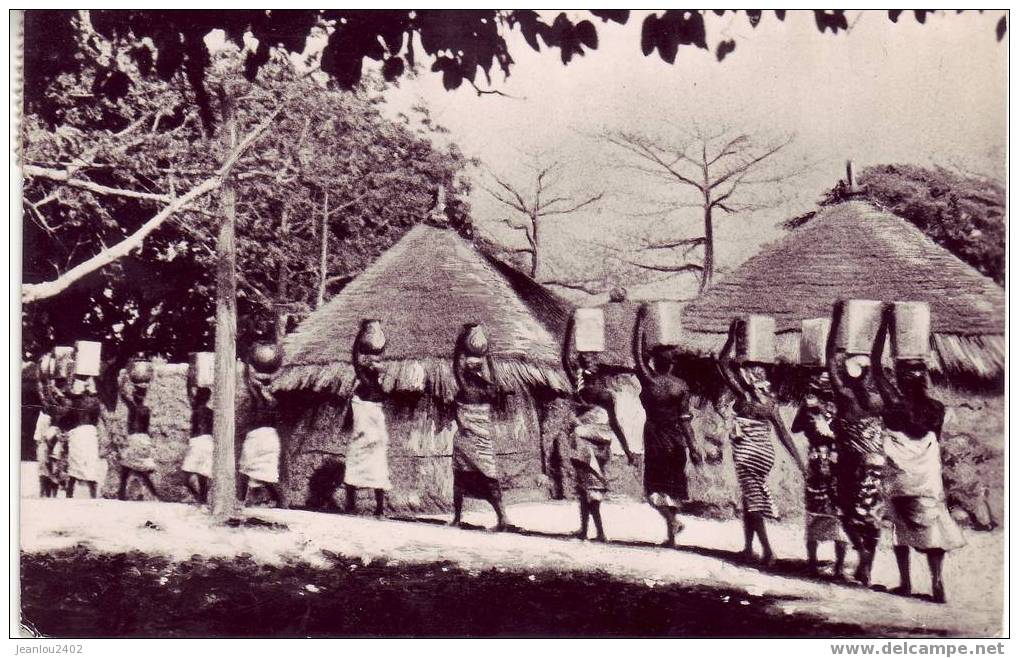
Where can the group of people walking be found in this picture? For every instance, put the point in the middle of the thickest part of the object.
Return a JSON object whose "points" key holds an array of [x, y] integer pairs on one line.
{"points": [[72, 407], [873, 441], [873, 448]]}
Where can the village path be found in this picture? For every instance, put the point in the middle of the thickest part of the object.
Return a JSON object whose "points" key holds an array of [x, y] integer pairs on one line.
{"points": [[707, 557]]}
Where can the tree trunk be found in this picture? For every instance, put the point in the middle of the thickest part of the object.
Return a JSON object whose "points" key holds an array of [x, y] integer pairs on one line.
{"points": [[224, 475], [709, 247], [536, 263], [325, 243]]}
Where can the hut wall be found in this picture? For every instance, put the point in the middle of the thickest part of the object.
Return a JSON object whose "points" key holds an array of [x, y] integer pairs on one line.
{"points": [[420, 453], [170, 429]]}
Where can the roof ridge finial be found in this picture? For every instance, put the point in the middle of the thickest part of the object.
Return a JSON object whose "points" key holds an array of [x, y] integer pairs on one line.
{"points": [[437, 215], [852, 189]]}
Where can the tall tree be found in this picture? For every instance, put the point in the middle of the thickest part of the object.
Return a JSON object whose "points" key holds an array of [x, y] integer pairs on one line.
{"points": [[536, 204], [707, 171], [378, 177]]}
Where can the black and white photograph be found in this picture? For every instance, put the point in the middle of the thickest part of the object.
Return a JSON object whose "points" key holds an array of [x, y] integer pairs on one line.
{"points": [[509, 323]]}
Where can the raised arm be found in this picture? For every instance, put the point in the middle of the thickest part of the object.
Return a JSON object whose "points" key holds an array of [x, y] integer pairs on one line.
{"points": [[640, 346], [786, 438], [620, 434], [458, 367], [834, 358], [725, 361], [885, 388], [569, 362]]}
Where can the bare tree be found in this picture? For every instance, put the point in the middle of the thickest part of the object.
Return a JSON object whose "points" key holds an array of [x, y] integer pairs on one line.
{"points": [[536, 207], [710, 171]]}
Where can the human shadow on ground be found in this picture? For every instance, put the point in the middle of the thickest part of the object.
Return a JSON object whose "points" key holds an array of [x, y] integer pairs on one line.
{"points": [[785, 567]]}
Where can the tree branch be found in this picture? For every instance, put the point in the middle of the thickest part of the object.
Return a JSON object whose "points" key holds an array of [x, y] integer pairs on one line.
{"points": [[686, 267], [33, 171], [33, 292], [575, 208]]}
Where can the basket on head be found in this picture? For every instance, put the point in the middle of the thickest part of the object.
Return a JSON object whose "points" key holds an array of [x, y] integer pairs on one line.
{"points": [[202, 369], [814, 341], [911, 339], [755, 342], [861, 319]]}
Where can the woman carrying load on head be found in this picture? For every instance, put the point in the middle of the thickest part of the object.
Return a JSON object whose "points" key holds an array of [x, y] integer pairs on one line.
{"points": [[82, 418], [135, 453], [823, 523], [594, 427], [913, 482], [47, 430], [858, 436], [752, 450], [197, 465], [260, 453], [668, 434], [367, 464], [475, 472]]}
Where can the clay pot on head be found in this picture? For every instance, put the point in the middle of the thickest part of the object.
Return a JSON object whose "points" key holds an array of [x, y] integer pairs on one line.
{"points": [[140, 372], [371, 339], [266, 358], [474, 340]]}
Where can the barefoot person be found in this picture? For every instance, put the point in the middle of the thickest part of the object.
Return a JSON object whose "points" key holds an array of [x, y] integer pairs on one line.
{"points": [[475, 472], [594, 426], [260, 454], [814, 420], [752, 450], [913, 484], [83, 414], [135, 453], [367, 465], [861, 464], [46, 432], [197, 464], [668, 434]]}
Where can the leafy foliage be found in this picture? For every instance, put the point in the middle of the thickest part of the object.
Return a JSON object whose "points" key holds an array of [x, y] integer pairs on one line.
{"points": [[964, 213], [378, 177], [461, 44]]}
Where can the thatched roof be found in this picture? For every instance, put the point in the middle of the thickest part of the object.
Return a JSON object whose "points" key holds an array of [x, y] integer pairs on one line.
{"points": [[424, 289], [854, 250]]}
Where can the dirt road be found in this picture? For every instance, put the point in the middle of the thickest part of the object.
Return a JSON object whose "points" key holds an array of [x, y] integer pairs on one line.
{"points": [[706, 559]]}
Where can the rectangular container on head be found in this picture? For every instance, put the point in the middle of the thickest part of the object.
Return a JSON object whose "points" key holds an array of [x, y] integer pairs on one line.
{"points": [[589, 330], [756, 343], [87, 358], [814, 341], [911, 338], [858, 328], [664, 326], [202, 369]]}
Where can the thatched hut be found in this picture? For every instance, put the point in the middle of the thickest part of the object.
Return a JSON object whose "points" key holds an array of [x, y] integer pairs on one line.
{"points": [[855, 250], [424, 289]]}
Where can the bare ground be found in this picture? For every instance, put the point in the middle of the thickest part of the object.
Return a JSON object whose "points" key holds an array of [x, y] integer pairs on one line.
{"points": [[705, 562]]}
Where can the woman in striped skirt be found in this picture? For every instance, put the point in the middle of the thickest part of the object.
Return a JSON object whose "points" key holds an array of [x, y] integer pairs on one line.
{"points": [[752, 449]]}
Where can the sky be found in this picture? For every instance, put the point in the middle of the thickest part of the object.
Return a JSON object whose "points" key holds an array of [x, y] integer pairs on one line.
{"points": [[883, 92]]}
